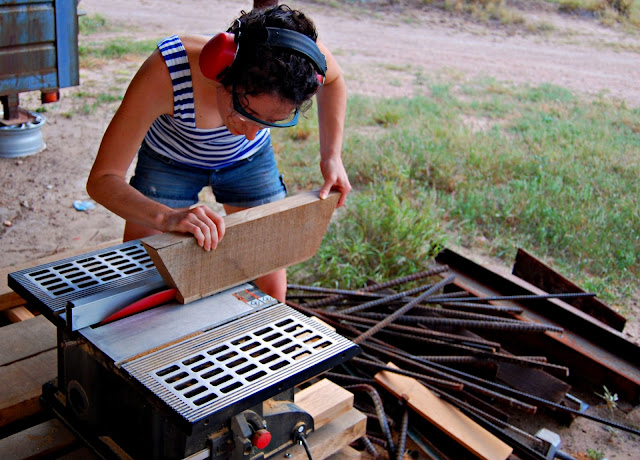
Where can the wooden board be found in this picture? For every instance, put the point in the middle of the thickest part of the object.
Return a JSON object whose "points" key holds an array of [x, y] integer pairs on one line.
{"points": [[445, 416], [37, 441], [324, 401], [17, 314], [9, 299], [28, 359], [346, 453], [26, 338], [21, 385], [257, 241]]}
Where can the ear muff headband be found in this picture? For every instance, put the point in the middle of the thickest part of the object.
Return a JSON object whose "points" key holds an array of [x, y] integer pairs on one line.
{"points": [[218, 54]]}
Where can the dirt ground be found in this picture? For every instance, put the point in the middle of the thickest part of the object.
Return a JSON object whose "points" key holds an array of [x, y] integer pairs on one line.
{"points": [[382, 53]]}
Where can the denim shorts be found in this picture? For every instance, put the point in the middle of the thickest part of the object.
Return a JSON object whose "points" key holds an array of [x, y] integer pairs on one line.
{"points": [[247, 183]]}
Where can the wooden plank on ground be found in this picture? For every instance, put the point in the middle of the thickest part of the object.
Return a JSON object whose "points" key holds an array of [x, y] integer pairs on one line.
{"points": [[10, 299], [445, 416], [21, 385], [26, 338], [257, 241], [18, 314], [346, 453], [35, 442], [324, 401]]}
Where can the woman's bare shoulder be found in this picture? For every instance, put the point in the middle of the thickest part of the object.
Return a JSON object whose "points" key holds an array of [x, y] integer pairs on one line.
{"points": [[194, 43]]}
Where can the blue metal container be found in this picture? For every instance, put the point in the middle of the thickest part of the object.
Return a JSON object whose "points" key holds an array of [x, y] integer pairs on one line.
{"points": [[38, 48]]}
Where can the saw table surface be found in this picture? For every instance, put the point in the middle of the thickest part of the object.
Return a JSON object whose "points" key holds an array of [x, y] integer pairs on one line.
{"points": [[150, 329]]}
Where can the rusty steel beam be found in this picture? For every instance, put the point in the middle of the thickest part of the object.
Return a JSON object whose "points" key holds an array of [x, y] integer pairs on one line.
{"points": [[594, 351]]}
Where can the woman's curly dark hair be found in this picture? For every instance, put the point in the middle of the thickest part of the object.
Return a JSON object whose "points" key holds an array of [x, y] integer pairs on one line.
{"points": [[262, 69]]}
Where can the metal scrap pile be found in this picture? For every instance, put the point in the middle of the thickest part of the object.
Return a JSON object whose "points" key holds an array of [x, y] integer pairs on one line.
{"points": [[448, 341]]}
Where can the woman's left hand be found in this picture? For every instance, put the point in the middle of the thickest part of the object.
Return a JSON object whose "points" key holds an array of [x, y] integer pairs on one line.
{"points": [[335, 178]]}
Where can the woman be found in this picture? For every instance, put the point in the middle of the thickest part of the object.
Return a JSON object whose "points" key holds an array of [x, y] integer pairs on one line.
{"points": [[198, 113]]}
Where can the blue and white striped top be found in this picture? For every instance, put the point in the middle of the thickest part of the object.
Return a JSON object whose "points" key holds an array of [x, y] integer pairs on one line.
{"points": [[178, 138]]}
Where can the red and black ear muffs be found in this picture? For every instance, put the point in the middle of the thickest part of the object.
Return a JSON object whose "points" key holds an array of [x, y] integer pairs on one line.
{"points": [[218, 54]]}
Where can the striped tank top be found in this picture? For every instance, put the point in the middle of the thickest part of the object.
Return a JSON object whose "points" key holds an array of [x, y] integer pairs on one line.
{"points": [[178, 138]]}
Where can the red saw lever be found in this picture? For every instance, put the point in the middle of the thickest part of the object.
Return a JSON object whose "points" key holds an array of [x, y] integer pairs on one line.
{"points": [[143, 304]]}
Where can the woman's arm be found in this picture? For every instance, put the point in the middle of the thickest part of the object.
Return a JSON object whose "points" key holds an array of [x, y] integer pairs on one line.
{"points": [[149, 95], [332, 106]]}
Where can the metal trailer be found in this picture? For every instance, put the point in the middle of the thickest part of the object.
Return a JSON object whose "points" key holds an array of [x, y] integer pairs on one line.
{"points": [[38, 52]]}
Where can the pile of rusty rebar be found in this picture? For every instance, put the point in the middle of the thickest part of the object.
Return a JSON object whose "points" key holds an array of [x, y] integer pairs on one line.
{"points": [[436, 334]]}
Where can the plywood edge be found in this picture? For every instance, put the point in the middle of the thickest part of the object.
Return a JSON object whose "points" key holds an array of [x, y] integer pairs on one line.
{"points": [[293, 201], [445, 416]]}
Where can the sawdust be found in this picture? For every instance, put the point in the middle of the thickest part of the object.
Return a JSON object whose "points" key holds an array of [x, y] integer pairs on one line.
{"points": [[391, 53]]}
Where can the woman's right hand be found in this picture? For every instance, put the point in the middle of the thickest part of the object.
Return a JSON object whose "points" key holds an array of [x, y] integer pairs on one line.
{"points": [[202, 222]]}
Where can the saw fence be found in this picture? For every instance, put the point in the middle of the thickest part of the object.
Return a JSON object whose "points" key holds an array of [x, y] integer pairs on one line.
{"points": [[452, 356]]}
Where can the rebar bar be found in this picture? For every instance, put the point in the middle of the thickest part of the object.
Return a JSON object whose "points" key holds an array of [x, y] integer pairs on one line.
{"points": [[465, 405], [451, 313], [517, 297], [522, 361], [418, 333], [404, 427], [520, 326], [335, 291], [433, 368], [384, 285], [427, 378], [451, 359], [382, 416], [369, 447], [460, 347], [493, 425], [448, 372], [392, 317], [481, 306], [385, 300], [348, 378]]}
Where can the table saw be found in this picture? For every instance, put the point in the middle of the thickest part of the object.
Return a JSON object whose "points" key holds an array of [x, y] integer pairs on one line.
{"points": [[212, 378]]}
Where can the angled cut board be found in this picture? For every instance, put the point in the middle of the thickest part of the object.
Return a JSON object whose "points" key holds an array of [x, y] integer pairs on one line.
{"points": [[445, 416], [257, 241]]}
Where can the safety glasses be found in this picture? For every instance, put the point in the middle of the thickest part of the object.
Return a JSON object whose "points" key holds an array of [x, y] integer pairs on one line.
{"points": [[292, 120]]}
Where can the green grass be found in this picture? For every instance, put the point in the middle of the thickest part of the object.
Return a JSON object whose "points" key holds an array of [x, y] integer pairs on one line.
{"points": [[484, 165], [116, 49], [508, 13], [91, 24]]}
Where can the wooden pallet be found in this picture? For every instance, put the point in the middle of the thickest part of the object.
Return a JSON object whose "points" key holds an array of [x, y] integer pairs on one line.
{"points": [[28, 359]]}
